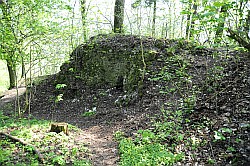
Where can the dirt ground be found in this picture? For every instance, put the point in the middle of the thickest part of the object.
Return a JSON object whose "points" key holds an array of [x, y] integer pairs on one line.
{"points": [[10, 95]]}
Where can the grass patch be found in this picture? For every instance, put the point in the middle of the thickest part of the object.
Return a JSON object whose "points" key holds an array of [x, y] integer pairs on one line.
{"points": [[56, 149]]}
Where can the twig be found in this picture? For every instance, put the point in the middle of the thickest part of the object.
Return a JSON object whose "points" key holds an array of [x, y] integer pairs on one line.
{"points": [[34, 150], [212, 150]]}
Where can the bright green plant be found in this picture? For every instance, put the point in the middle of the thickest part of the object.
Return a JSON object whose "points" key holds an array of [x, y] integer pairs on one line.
{"points": [[60, 86], [147, 147], [82, 163], [231, 149], [88, 113], [59, 98], [5, 153], [145, 153], [218, 136], [189, 103], [211, 161], [118, 135], [58, 160]]}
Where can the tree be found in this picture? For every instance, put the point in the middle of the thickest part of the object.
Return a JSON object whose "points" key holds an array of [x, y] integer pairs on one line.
{"points": [[84, 16], [22, 25], [149, 3], [154, 18], [7, 49], [192, 7], [119, 16], [221, 23], [242, 37]]}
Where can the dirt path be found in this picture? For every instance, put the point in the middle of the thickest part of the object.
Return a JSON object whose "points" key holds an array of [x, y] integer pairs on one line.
{"points": [[99, 138], [102, 146], [10, 95]]}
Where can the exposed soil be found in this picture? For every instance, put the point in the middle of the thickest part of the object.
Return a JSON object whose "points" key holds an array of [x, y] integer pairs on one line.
{"points": [[224, 101], [10, 95]]}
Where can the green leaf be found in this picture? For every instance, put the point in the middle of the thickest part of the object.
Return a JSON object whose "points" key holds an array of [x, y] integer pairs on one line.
{"points": [[218, 4], [218, 136], [60, 86], [185, 12], [67, 7], [226, 130], [208, 14], [59, 98]]}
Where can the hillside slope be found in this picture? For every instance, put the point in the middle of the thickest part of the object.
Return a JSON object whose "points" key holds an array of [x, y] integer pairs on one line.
{"points": [[210, 87]]}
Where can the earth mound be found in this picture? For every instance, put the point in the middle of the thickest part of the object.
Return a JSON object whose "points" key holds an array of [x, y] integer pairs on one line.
{"points": [[209, 86], [116, 60]]}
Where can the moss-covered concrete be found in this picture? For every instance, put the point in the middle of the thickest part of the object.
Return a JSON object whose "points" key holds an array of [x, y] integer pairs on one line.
{"points": [[105, 59]]}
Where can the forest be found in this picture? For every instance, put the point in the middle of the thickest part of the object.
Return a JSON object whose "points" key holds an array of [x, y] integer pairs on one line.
{"points": [[125, 82]]}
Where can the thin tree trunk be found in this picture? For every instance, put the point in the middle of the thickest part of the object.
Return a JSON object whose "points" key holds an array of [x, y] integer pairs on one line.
{"points": [[188, 23], [220, 27], [12, 73], [247, 25], [119, 16], [154, 18], [23, 68], [237, 37], [84, 15], [166, 29], [190, 20]]}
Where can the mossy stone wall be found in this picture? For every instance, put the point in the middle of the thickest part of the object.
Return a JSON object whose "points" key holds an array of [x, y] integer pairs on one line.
{"points": [[105, 58]]}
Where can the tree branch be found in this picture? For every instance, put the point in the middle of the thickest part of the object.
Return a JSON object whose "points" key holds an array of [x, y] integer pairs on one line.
{"points": [[34, 150], [242, 42]]}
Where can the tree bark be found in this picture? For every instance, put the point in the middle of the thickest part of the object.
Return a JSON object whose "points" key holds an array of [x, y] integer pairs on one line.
{"points": [[247, 25], [190, 20], [236, 36], [12, 73], [119, 16], [220, 27], [23, 68], [154, 18], [59, 127], [84, 15]]}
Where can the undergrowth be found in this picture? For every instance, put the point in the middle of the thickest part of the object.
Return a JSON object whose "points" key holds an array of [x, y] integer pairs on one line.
{"points": [[56, 149], [161, 144], [168, 140]]}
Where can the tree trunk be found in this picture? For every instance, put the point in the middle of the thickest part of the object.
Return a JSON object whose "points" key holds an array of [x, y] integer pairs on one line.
{"points": [[247, 25], [12, 73], [119, 16], [242, 41], [59, 127], [84, 15], [188, 24], [166, 29], [23, 68], [220, 27], [154, 18], [190, 20]]}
